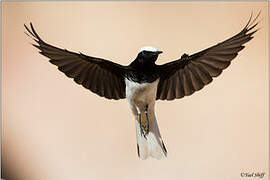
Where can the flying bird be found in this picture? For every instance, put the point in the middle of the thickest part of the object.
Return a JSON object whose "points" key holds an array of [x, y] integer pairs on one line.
{"points": [[143, 82]]}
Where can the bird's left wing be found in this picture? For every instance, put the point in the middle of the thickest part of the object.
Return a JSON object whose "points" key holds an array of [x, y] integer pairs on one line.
{"points": [[191, 73], [101, 76]]}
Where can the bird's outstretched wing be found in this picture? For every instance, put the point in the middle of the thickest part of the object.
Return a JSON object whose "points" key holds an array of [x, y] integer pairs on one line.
{"points": [[191, 73], [101, 76]]}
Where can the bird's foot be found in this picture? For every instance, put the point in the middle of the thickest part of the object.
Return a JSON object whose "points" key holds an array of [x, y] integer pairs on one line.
{"points": [[144, 126], [147, 120], [141, 127]]}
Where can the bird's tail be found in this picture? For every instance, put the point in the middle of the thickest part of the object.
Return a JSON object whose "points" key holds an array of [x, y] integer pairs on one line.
{"points": [[150, 144]]}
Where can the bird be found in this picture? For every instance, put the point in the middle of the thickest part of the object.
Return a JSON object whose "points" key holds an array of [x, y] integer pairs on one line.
{"points": [[143, 82]]}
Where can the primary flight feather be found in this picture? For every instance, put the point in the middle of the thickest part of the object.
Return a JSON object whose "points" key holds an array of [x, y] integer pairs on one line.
{"points": [[143, 82]]}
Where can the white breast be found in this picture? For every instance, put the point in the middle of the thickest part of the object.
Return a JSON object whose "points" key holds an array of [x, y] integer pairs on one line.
{"points": [[141, 93]]}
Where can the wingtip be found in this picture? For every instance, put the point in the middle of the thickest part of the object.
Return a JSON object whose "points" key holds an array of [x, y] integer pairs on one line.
{"points": [[256, 30], [248, 20], [27, 34], [34, 33], [31, 25], [252, 22], [29, 31]]}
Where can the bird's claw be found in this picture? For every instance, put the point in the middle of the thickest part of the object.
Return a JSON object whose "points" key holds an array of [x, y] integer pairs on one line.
{"points": [[147, 120], [141, 126], [144, 128]]}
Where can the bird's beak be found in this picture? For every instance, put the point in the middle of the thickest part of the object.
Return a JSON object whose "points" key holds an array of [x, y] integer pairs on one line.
{"points": [[159, 52]]}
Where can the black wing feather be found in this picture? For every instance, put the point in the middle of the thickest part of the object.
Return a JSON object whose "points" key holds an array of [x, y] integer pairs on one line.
{"points": [[195, 71], [101, 76]]}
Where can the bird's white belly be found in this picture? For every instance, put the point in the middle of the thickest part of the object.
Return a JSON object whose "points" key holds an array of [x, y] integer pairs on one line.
{"points": [[140, 95]]}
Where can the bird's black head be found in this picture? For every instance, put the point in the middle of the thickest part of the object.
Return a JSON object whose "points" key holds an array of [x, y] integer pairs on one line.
{"points": [[148, 54]]}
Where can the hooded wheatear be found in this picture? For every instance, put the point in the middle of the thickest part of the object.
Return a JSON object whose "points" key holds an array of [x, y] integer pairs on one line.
{"points": [[143, 82]]}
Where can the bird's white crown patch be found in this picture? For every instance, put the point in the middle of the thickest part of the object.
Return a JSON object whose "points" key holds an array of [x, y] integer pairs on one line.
{"points": [[148, 48]]}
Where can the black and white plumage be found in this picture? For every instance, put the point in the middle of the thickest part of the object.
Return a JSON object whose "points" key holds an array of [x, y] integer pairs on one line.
{"points": [[143, 82]]}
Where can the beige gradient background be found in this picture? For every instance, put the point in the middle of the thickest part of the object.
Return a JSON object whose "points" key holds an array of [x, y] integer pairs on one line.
{"points": [[53, 129]]}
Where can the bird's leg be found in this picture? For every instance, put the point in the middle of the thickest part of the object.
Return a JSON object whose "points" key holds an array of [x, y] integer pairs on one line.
{"points": [[140, 121], [147, 120], [141, 126]]}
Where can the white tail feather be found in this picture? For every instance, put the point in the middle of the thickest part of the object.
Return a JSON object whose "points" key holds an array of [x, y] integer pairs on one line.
{"points": [[152, 144]]}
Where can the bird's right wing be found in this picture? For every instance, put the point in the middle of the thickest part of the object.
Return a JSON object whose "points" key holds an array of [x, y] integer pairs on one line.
{"points": [[101, 76], [191, 73]]}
